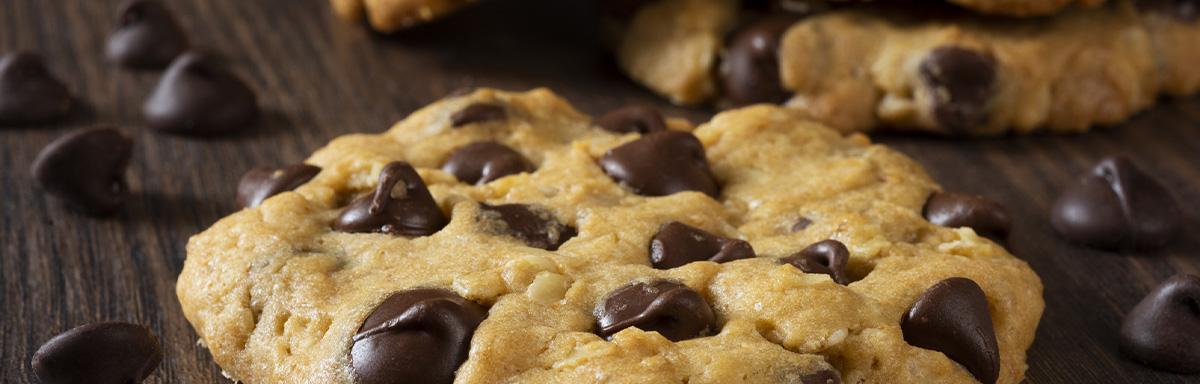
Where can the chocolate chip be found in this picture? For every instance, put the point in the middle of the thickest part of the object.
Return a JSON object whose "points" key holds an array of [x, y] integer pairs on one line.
{"points": [[86, 169], [478, 113], [400, 205], [480, 163], [146, 36], [750, 70], [632, 118], [1117, 206], [952, 317], [1163, 330], [534, 225], [415, 336], [99, 353], [199, 96], [677, 244], [801, 224], [827, 257], [661, 163], [986, 216], [260, 183], [962, 82], [822, 377], [673, 310], [29, 93]]}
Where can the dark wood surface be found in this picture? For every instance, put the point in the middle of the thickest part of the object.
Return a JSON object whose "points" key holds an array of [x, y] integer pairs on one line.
{"points": [[318, 78]]}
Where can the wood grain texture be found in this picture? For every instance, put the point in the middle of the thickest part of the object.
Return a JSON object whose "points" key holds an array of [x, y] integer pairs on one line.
{"points": [[318, 78]]}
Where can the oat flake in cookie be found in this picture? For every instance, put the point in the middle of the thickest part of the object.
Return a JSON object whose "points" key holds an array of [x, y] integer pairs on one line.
{"points": [[547, 275]]}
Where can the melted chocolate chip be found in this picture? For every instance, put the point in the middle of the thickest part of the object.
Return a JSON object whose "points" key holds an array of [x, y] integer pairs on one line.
{"points": [[415, 336], [825, 257], [146, 36], [677, 244], [962, 82], [534, 225], [260, 183], [99, 353], [1163, 331], [801, 224], [822, 377], [29, 93], [750, 70], [400, 205], [480, 163], [660, 164], [985, 216], [199, 96], [673, 310], [632, 118], [478, 113], [952, 317], [86, 169], [1117, 206]]}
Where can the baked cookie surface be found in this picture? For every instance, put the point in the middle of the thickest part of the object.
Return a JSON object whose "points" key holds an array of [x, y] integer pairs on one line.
{"points": [[866, 68], [674, 255], [393, 15]]}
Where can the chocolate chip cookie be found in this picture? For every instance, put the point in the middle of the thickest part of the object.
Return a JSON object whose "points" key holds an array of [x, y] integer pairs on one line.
{"points": [[1017, 8], [758, 247], [948, 72], [393, 15]]}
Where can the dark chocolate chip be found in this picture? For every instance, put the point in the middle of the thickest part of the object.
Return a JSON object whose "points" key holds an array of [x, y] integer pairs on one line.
{"points": [[260, 183], [99, 353], [986, 216], [962, 83], [660, 164], [826, 257], [86, 169], [750, 70], [533, 225], [146, 36], [1117, 206], [673, 310], [952, 317], [481, 162], [199, 96], [419, 336], [801, 224], [29, 93], [478, 113], [1163, 331], [822, 377], [632, 118], [677, 244], [400, 205]]}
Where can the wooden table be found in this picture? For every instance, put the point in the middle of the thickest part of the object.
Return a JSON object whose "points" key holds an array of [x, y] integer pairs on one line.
{"points": [[319, 78]]}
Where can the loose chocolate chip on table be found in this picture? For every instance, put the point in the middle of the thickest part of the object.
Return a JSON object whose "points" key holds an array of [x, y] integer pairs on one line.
{"points": [[415, 336], [750, 70], [99, 353], [536, 226], [1163, 330], [677, 244], [673, 310], [481, 162], [400, 205], [478, 113], [146, 36], [952, 317], [826, 257], [985, 216], [199, 96], [29, 93], [86, 169], [661, 163], [632, 118], [260, 183], [822, 377], [1117, 206], [961, 82]]}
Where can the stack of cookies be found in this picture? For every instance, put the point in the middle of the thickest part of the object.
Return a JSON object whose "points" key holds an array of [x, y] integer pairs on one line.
{"points": [[956, 67]]}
